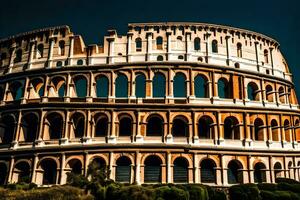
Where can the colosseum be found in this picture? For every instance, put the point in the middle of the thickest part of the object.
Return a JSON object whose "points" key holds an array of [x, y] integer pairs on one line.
{"points": [[165, 103]]}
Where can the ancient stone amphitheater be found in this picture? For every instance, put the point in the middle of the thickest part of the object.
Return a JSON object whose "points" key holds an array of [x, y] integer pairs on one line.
{"points": [[165, 103]]}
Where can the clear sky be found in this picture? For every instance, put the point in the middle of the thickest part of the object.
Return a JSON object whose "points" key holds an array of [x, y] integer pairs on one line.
{"points": [[278, 19]]}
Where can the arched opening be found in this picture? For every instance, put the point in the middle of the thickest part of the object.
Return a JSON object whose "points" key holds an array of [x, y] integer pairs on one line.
{"points": [[18, 57], [180, 127], [214, 46], [160, 58], [138, 44], [235, 172], [269, 93], [99, 163], [208, 173], [197, 44], [180, 170], [277, 170], [201, 87], [59, 86], [152, 169], [287, 131], [140, 86], [101, 127], [40, 51], [79, 62], [7, 128], [239, 50], [75, 166], [155, 126], [297, 130], [121, 85], [252, 90], [205, 127], [259, 129], [123, 170], [224, 90], [49, 169], [29, 124], [17, 90], [38, 87], [159, 43], [281, 95], [266, 56], [54, 123], [22, 169], [80, 86], [102, 85], [3, 173], [125, 126], [259, 173], [78, 125], [231, 128], [275, 130], [179, 87], [61, 49], [159, 86]]}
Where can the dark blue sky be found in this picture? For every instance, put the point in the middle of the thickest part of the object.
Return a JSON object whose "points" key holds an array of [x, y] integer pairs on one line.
{"points": [[91, 18]]}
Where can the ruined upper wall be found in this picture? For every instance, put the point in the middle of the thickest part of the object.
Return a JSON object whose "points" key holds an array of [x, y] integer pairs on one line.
{"points": [[146, 42]]}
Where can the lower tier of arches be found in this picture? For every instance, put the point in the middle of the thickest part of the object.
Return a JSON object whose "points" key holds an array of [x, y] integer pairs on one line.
{"points": [[152, 165]]}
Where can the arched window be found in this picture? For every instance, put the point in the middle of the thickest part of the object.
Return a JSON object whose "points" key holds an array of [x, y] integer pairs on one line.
{"points": [[125, 128], [259, 173], [49, 170], [259, 129], [214, 46], [275, 130], [234, 172], [208, 173], [205, 127], [239, 50], [18, 57], [121, 86], [80, 86], [252, 91], [102, 86], [281, 95], [17, 90], [179, 88], [80, 62], [98, 163], [29, 124], [180, 127], [160, 58], [201, 87], [287, 131], [38, 86], [59, 86], [138, 44], [180, 170], [55, 123], [266, 56], [40, 51], [152, 169], [223, 88], [7, 129], [269, 93], [140, 86], [75, 166], [78, 124], [159, 43], [197, 44], [297, 130], [123, 170], [61, 50], [159, 85], [22, 170], [3, 173], [155, 126], [101, 126], [277, 170], [290, 169], [231, 128]]}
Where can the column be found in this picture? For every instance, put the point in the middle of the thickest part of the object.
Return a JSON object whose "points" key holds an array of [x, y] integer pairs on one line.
{"points": [[71, 50], [215, 86], [272, 62], [111, 48], [50, 53], [89, 122], [191, 85], [169, 137], [111, 174], [169, 169], [112, 88], [34, 166], [131, 86], [149, 46], [65, 137], [196, 168], [40, 137], [17, 132], [68, 88], [194, 129], [11, 169], [112, 135], [63, 175], [208, 47], [169, 41], [31, 53], [12, 57], [223, 171], [138, 168], [220, 129], [187, 45], [129, 42], [251, 173], [227, 37], [256, 55]]}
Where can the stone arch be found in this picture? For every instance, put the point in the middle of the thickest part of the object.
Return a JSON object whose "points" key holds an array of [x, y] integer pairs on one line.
{"points": [[278, 170], [121, 86], [22, 171], [152, 169], [205, 127], [78, 126], [287, 130], [140, 85], [179, 87], [155, 125], [259, 130], [101, 125], [180, 126], [102, 85], [53, 126], [3, 173], [16, 89], [125, 125], [235, 172], [281, 94], [123, 169], [208, 170], [48, 168], [275, 130], [259, 172], [224, 88], [269, 93], [38, 87], [180, 170], [201, 86], [80, 85], [8, 125], [58, 87], [297, 130], [159, 85], [74, 165], [29, 127], [231, 128], [253, 91]]}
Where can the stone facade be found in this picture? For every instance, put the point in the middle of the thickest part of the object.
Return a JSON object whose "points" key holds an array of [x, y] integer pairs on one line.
{"points": [[168, 102]]}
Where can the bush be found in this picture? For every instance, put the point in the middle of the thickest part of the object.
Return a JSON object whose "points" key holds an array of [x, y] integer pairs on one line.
{"points": [[171, 193], [197, 192], [267, 186], [77, 180], [244, 192], [287, 180]]}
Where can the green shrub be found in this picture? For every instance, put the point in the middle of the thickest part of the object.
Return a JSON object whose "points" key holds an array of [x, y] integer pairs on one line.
{"points": [[267, 186], [171, 193], [244, 192], [286, 180], [268, 195], [196, 192], [77, 180]]}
